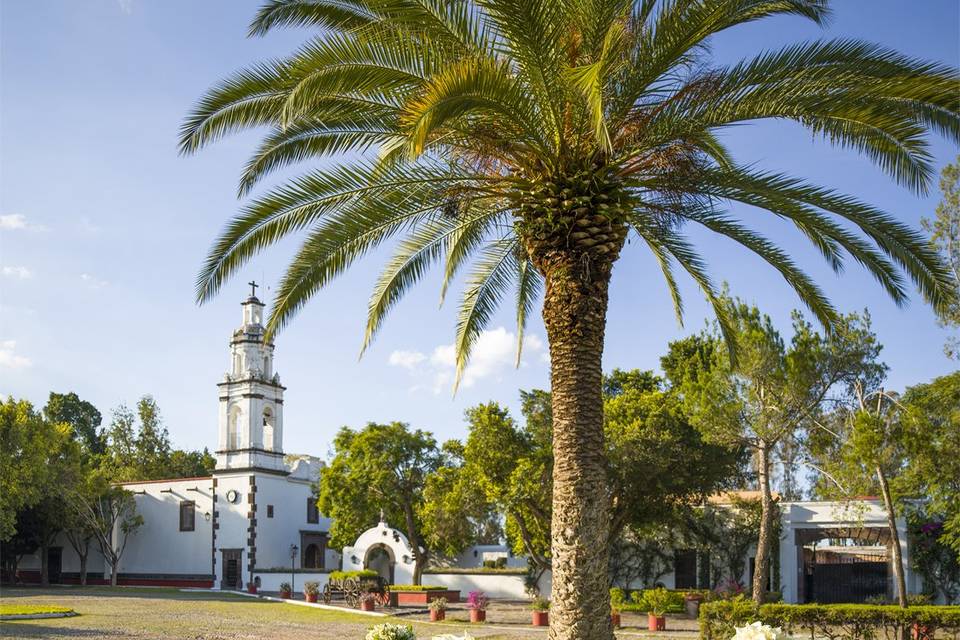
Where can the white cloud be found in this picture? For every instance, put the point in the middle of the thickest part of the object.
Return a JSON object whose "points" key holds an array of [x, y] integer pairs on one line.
{"points": [[16, 272], [18, 222], [126, 6], [93, 282], [493, 354], [406, 359], [9, 359]]}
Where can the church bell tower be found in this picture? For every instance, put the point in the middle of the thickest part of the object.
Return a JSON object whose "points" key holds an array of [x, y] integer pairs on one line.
{"points": [[251, 399]]}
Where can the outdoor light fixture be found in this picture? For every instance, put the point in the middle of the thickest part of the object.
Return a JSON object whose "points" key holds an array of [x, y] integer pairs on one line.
{"points": [[293, 559], [206, 516]]}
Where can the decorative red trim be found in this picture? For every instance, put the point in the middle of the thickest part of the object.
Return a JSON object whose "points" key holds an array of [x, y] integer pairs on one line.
{"points": [[31, 576]]}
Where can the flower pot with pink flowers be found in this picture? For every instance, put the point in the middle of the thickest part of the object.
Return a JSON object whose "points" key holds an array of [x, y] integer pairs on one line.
{"points": [[477, 602]]}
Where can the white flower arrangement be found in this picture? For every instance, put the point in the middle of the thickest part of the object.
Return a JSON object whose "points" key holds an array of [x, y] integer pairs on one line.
{"points": [[391, 632], [759, 631]]}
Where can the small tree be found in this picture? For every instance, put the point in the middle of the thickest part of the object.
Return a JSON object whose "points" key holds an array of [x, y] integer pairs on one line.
{"points": [[382, 466], [111, 514], [945, 238]]}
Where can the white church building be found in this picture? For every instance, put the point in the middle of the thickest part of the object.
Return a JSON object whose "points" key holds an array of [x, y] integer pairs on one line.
{"points": [[255, 520]]}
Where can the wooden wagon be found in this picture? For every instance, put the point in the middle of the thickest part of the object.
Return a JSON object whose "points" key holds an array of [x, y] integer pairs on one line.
{"points": [[351, 588]]}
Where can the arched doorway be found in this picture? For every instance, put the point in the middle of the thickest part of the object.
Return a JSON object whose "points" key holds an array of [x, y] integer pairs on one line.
{"points": [[312, 557], [380, 558]]}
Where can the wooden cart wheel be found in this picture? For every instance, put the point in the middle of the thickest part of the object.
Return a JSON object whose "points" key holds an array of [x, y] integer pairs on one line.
{"points": [[353, 598], [384, 596]]}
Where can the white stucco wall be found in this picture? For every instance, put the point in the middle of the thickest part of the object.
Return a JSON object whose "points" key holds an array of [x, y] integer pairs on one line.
{"points": [[275, 535], [501, 586], [270, 581], [159, 547], [394, 540], [70, 560]]}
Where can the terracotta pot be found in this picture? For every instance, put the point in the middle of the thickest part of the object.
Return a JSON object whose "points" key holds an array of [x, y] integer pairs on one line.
{"points": [[251, 588], [436, 615], [615, 620], [310, 597], [286, 594], [922, 631], [367, 605], [478, 615], [541, 618], [656, 623]]}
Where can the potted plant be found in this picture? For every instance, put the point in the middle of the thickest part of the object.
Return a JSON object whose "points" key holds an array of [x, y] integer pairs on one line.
{"points": [[285, 591], [477, 602], [310, 591], [251, 587], [438, 609], [541, 612], [617, 600], [691, 602], [367, 601], [658, 600]]}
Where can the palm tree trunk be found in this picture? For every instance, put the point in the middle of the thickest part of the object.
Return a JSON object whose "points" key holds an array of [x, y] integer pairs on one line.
{"points": [[894, 539], [762, 562], [574, 312]]}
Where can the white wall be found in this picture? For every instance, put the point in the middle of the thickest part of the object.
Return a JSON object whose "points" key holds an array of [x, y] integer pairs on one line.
{"points": [[271, 581], [159, 547], [495, 585], [275, 535]]}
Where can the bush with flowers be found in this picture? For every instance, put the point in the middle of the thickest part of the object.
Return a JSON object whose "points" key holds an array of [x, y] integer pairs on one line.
{"points": [[758, 631], [391, 632]]}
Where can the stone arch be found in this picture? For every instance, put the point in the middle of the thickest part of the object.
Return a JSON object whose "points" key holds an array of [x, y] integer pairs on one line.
{"points": [[269, 420], [312, 556], [234, 440], [380, 558]]}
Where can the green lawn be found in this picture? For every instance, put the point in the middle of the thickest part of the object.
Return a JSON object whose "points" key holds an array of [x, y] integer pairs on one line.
{"points": [[167, 614]]}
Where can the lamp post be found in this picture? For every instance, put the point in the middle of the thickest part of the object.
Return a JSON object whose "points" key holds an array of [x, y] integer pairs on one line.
{"points": [[293, 559]]}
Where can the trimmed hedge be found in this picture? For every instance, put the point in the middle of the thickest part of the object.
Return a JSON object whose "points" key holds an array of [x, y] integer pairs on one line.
{"points": [[833, 621], [417, 587], [343, 575], [17, 609]]}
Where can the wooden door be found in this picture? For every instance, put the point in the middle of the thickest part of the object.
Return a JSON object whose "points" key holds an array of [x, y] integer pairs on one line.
{"points": [[232, 574]]}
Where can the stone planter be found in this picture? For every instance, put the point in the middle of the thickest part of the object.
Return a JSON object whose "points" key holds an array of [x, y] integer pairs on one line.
{"points": [[656, 623], [692, 605], [436, 615], [478, 615], [541, 618], [422, 598]]}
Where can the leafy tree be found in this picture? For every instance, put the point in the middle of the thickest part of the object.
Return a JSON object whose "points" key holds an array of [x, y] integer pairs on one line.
{"points": [[82, 416], [936, 562], [945, 237], [106, 508], [511, 464], [382, 466], [533, 136], [29, 449], [933, 448], [771, 391]]}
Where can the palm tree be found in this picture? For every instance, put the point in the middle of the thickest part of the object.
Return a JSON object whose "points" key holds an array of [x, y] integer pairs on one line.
{"points": [[529, 139]]}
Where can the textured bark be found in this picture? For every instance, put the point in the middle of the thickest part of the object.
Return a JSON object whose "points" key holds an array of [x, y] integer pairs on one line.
{"points": [[574, 313], [44, 565], [762, 561], [894, 539]]}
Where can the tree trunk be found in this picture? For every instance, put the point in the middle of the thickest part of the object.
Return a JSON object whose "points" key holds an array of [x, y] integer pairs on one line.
{"points": [[894, 539], [83, 562], [574, 312], [762, 561], [114, 565], [413, 535], [44, 565]]}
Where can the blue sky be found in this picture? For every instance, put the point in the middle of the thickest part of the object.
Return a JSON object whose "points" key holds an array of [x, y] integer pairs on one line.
{"points": [[104, 227]]}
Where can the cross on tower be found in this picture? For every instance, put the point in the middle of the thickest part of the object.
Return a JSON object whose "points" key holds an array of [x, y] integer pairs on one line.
{"points": [[253, 288]]}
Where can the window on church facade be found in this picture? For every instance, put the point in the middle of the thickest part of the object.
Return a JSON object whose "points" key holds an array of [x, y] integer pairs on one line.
{"points": [[187, 515], [269, 510], [268, 429], [313, 513]]}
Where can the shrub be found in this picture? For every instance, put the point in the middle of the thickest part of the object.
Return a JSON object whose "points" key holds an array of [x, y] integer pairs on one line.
{"points": [[391, 632], [477, 600], [311, 588], [660, 600], [343, 575], [284, 586], [500, 563], [617, 599], [19, 609], [417, 587], [719, 619], [489, 564], [540, 604], [438, 604]]}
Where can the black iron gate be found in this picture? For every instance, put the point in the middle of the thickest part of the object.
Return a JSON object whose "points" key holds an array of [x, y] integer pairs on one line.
{"points": [[847, 582]]}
